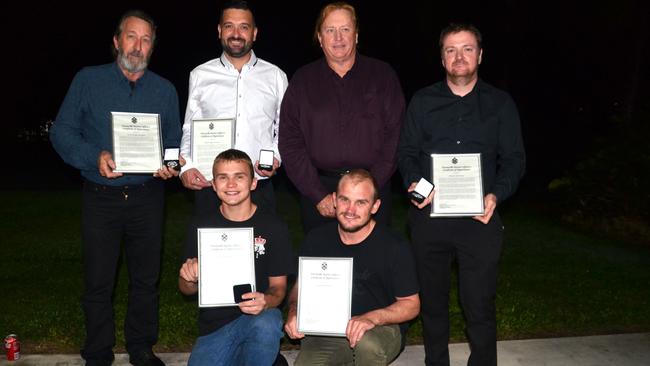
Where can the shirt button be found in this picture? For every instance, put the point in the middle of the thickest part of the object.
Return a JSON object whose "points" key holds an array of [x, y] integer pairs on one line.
{"points": [[458, 142]]}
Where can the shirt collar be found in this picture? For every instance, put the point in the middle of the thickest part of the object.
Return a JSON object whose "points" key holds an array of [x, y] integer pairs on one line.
{"points": [[475, 89], [247, 66], [355, 66], [350, 73], [120, 75]]}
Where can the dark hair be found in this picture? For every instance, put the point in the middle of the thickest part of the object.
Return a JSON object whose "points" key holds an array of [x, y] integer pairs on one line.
{"points": [[234, 155], [460, 27], [237, 4], [137, 14], [359, 175], [329, 8]]}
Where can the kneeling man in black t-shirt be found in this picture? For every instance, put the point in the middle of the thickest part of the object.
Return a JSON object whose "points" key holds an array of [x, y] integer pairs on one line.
{"points": [[384, 283], [250, 333]]}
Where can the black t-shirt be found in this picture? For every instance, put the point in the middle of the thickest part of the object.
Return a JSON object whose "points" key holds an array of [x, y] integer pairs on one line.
{"points": [[383, 267], [273, 257]]}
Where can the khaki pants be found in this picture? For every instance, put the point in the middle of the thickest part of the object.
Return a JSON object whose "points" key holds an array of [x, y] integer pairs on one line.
{"points": [[378, 346]]}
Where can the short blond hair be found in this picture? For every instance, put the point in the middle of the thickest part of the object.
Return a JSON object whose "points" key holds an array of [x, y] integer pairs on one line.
{"points": [[329, 8], [357, 176]]}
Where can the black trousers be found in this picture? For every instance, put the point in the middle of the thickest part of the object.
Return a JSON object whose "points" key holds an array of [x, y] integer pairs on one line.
{"points": [[311, 218], [132, 215], [206, 201], [477, 247]]}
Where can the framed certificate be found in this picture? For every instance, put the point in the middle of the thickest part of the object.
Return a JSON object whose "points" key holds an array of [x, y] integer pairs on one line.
{"points": [[458, 185], [209, 137], [226, 259], [136, 142], [324, 295]]}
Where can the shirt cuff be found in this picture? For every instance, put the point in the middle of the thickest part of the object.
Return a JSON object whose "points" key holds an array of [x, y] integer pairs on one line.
{"points": [[188, 165]]}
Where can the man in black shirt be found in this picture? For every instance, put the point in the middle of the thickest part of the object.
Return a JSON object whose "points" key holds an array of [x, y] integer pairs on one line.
{"points": [[462, 114], [384, 290], [250, 333]]}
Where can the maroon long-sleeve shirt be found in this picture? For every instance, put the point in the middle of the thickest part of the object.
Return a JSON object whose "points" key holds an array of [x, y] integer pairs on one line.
{"points": [[330, 123]]}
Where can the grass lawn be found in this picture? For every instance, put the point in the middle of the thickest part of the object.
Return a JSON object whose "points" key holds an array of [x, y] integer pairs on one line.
{"points": [[554, 281]]}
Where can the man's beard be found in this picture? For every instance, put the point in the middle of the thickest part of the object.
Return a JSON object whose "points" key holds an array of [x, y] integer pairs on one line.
{"points": [[465, 74], [132, 67], [232, 53], [356, 228]]}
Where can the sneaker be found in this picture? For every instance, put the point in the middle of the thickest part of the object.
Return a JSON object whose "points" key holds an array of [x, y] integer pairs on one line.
{"points": [[145, 358]]}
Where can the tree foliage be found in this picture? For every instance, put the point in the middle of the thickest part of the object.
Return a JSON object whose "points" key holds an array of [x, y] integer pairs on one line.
{"points": [[608, 189]]}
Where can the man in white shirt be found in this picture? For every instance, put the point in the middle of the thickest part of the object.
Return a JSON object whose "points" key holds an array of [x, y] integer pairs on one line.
{"points": [[236, 85]]}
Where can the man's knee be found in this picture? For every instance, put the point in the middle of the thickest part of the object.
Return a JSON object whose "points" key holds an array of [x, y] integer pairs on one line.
{"points": [[266, 324], [479, 307], [381, 345]]}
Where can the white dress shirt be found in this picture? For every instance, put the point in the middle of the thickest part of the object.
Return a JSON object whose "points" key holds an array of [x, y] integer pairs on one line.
{"points": [[253, 97]]}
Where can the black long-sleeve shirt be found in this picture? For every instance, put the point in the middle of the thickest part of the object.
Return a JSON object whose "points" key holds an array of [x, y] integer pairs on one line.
{"points": [[484, 121]]}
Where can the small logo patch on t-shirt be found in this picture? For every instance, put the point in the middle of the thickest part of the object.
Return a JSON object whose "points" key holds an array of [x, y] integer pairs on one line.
{"points": [[259, 246]]}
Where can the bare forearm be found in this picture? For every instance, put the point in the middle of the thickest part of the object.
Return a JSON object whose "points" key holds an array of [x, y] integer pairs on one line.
{"points": [[400, 311], [291, 326], [274, 296], [292, 302]]}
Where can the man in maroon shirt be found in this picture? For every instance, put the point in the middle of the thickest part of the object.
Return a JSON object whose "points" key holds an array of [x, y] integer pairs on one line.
{"points": [[340, 112]]}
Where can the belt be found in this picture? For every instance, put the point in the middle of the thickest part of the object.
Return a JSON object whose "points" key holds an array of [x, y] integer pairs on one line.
{"points": [[107, 188], [333, 173], [124, 191]]}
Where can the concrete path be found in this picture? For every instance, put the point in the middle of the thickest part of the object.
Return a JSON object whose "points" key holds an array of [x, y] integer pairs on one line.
{"points": [[607, 350]]}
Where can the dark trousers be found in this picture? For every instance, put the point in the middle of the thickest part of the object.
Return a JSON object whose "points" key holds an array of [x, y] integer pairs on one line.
{"points": [[206, 201], [477, 247], [111, 216], [311, 218]]}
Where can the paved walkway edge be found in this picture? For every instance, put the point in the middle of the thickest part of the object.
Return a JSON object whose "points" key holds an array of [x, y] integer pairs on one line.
{"points": [[605, 350]]}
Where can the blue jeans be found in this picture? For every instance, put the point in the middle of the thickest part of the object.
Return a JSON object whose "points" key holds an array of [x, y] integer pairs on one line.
{"points": [[248, 340]]}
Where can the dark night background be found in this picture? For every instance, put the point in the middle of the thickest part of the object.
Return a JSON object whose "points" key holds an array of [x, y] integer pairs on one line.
{"points": [[576, 70]]}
